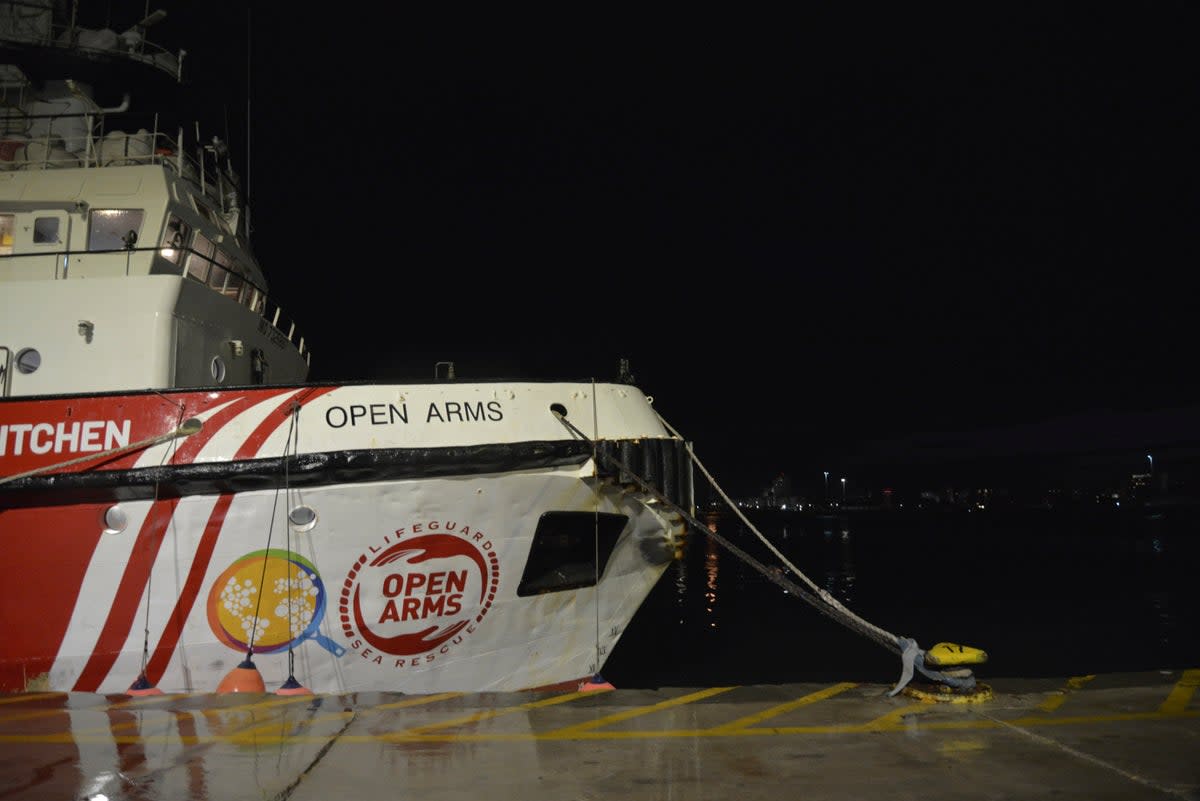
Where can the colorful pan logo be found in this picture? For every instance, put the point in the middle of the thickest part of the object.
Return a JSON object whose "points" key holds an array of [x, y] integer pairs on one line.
{"points": [[291, 609]]}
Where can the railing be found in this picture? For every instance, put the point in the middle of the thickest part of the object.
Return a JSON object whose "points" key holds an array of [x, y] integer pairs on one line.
{"points": [[87, 141], [199, 268], [33, 23]]}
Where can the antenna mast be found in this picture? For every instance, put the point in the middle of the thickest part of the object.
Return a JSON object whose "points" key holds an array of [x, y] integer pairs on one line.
{"points": [[249, 82]]}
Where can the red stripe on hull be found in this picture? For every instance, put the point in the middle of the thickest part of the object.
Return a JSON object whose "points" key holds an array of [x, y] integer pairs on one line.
{"points": [[129, 592], [148, 415], [145, 550], [269, 425], [46, 555], [191, 588], [208, 542]]}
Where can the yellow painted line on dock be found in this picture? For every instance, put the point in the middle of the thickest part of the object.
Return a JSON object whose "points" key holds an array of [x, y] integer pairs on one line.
{"points": [[570, 731], [17, 699], [904, 718], [48, 713], [419, 700], [1182, 692], [495, 713], [147, 700], [1055, 701], [775, 711], [223, 711], [34, 714], [895, 719]]}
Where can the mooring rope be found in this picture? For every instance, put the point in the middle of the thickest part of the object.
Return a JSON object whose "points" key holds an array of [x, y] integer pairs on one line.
{"points": [[911, 655], [186, 429], [818, 597], [876, 633], [287, 502], [596, 531], [168, 454], [267, 552]]}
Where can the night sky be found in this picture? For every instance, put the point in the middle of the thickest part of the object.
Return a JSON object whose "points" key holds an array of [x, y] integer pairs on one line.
{"points": [[823, 241]]}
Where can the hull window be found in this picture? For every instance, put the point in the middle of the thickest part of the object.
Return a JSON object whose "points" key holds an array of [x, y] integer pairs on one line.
{"points": [[29, 360], [570, 550]]}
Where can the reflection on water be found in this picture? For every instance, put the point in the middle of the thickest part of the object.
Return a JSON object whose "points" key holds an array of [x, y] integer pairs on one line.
{"points": [[1044, 593], [839, 570], [1164, 624], [836, 574], [681, 585], [712, 564]]}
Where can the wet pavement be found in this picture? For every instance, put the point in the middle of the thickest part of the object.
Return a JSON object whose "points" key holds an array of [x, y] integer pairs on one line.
{"points": [[1118, 736]]}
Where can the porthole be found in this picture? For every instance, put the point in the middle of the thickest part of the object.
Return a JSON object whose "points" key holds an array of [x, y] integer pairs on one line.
{"points": [[218, 369], [115, 520], [28, 360], [303, 518]]}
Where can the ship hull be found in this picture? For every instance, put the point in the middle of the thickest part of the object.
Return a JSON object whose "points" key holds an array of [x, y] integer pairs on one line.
{"points": [[417, 552]]}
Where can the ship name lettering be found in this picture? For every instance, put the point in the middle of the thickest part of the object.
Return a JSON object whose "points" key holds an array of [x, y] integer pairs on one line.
{"points": [[456, 412], [434, 583], [443, 595], [376, 414], [87, 436], [420, 609], [272, 333]]}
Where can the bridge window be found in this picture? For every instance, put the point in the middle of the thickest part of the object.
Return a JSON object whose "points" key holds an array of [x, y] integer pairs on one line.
{"points": [[175, 239], [108, 229], [45, 231], [209, 214], [223, 277], [199, 260]]}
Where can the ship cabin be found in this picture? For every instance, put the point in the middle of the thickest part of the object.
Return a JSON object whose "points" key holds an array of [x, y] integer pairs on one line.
{"points": [[125, 261]]}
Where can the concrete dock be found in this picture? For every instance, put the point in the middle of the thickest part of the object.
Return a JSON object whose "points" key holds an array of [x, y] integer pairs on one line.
{"points": [[1119, 736]]}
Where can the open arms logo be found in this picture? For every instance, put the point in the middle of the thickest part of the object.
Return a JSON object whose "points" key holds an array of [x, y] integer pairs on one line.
{"points": [[419, 594]]}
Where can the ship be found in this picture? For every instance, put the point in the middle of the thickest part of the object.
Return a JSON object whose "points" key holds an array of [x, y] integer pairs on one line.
{"points": [[180, 503]]}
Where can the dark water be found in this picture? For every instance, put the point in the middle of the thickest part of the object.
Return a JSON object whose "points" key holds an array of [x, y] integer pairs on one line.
{"points": [[1045, 593]]}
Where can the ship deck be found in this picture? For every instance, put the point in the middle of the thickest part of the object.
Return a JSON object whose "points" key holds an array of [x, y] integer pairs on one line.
{"points": [[1112, 736]]}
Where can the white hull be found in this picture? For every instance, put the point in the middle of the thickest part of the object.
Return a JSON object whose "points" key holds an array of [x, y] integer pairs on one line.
{"points": [[423, 574], [519, 643]]}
